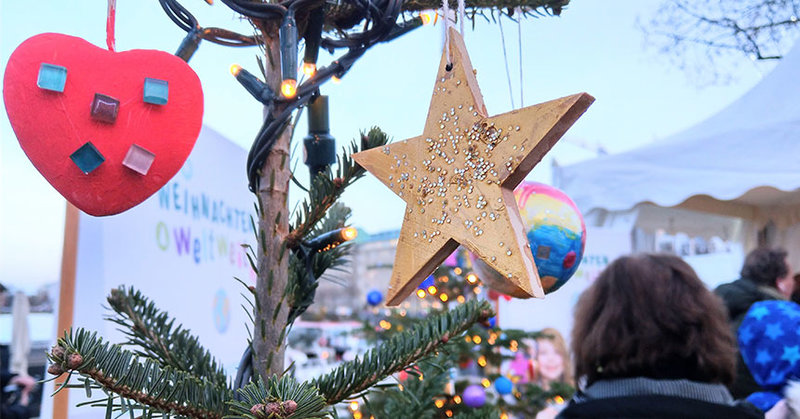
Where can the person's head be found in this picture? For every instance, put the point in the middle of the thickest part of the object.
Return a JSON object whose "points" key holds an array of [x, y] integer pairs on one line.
{"points": [[769, 267], [769, 341], [552, 358], [651, 316]]}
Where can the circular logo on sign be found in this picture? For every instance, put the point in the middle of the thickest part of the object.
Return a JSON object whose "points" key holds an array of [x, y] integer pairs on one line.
{"points": [[222, 311]]}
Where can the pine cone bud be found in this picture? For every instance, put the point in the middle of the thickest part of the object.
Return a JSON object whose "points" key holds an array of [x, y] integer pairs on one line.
{"points": [[74, 361], [55, 369], [57, 351], [273, 408], [445, 338], [289, 407], [338, 182], [257, 410]]}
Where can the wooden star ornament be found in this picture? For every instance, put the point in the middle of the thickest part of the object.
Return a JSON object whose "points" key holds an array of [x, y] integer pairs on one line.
{"points": [[458, 179]]}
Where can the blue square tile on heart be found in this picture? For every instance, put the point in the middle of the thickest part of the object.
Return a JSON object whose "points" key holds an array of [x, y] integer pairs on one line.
{"points": [[156, 91], [87, 158], [52, 77]]}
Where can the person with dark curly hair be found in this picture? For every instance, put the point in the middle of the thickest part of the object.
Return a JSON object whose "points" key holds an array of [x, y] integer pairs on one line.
{"points": [[766, 275], [650, 340]]}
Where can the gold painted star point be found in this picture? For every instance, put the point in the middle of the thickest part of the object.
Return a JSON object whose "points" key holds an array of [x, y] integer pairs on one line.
{"points": [[458, 179]]}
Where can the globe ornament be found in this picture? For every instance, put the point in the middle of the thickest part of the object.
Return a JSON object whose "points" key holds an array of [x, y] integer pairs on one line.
{"points": [[556, 233]]}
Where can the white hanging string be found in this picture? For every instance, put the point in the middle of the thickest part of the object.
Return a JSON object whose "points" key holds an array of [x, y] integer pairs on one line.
{"points": [[505, 59], [461, 7], [519, 45], [447, 24]]}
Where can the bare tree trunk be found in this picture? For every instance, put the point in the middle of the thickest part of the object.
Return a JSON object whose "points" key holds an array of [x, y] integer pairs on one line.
{"points": [[273, 257]]}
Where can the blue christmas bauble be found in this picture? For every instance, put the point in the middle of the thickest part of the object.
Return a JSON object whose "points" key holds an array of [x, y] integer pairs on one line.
{"points": [[374, 297], [491, 323], [503, 385], [428, 282]]}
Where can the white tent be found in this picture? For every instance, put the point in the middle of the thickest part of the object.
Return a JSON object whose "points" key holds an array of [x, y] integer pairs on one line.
{"points": [[742, 165]]}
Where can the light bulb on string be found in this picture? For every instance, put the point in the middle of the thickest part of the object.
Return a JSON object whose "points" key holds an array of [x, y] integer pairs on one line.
{"points": [[472, 278], [312, 37], [429, 17], [257, 88], [289, 88], [288, 39], [309, 69]]}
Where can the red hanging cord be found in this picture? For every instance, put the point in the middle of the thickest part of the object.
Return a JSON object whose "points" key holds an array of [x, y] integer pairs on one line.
{"points": [[112, 11]]}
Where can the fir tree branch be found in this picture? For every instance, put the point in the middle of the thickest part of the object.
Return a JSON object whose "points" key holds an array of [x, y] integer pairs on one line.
{"points": [[151, 332], [142, 380], [354, 377], [325, 189], [282, 397], [302, 288]]}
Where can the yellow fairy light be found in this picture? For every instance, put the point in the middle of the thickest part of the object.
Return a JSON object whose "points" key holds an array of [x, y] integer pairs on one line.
{"points": [[449, 413], [504, 415], [289, 88], [235, 69], [472, 278], [443, 278], [421, 293], [432, 290], [385, 325], [513, 345], [349, 233], [443, 297], [477, 290], [336, 80], [482, 361], [429, 17], [477, 339], [558, 400], [357, 415], [309, 69], [468, 338], [457, 399], [486, 383], [461, 299], [439, 403], [457, 271], [353, 406]]}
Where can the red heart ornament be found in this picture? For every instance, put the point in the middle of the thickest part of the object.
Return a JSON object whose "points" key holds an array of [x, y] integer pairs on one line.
{"points": [[51, 125]]}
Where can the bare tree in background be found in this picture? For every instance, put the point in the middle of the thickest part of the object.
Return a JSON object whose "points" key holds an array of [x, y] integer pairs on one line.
{"points": [[708, 37]]}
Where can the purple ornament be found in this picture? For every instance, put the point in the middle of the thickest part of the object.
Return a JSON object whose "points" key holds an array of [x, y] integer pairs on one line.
{"points": [[474, 396]]}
